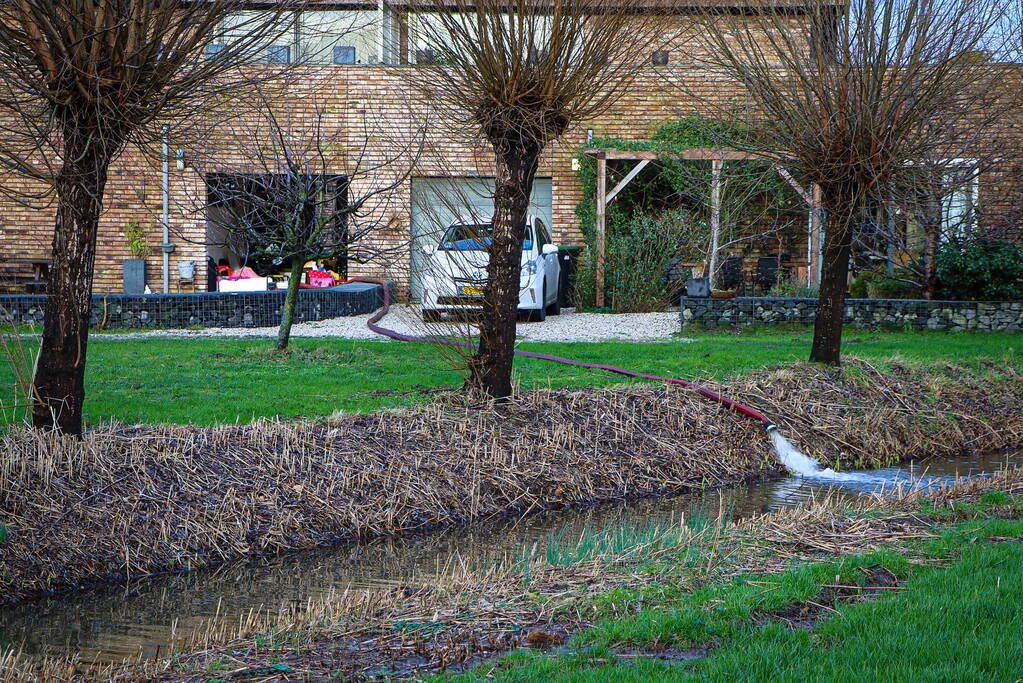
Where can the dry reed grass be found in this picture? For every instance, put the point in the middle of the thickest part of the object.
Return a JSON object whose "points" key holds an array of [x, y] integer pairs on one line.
{"points": [[469, 615], [127, 501]]}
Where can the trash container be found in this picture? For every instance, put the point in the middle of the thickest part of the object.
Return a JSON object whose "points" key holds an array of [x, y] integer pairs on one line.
{"points": [[698, 287], [568, 257]]}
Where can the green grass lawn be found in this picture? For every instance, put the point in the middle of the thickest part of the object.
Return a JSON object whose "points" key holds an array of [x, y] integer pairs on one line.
{"points": [[211, 381], [963, 622]]}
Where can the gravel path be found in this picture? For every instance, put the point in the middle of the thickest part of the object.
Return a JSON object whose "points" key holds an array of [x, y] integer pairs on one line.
{"points": [[567, 327]]}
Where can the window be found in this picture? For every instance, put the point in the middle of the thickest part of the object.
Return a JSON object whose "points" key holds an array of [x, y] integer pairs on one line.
{"points": [[542, 236], [344, 54], [277, 44], [340, 37], [476, 237], [430, 37], [278, 54], [958, 200]]}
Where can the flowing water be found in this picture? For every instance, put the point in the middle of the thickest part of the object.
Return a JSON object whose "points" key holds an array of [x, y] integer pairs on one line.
{"points": [[136, 621]]}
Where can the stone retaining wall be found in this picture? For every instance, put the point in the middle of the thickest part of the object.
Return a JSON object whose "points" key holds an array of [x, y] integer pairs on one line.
{"points": [[916, 314], [208, 309]]}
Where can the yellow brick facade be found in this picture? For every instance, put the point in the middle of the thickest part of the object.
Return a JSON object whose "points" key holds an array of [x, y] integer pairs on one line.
{"points": [[377, 112]]}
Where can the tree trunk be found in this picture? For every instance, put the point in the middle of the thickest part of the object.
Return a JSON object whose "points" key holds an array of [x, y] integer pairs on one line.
{"points": [[59, 379], [932, 236], [842, 205], [290, 299], [491, 368]]}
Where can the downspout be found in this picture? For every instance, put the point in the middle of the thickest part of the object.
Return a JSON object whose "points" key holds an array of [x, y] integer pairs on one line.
{"points": [[166, 247]]}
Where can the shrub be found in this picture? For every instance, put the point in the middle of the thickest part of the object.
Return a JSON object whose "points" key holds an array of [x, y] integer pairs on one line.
{"points": [[872, 285], [792, 286], [886, 288], [979, 268], [638, 255], [858, 288]]}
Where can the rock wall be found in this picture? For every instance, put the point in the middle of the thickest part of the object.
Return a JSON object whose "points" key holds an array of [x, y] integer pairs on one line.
{"points": [[898, 314], [208, 309]]}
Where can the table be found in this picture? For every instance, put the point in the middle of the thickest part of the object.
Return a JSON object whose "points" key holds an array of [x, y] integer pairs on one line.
{"points": [[40, 270]]}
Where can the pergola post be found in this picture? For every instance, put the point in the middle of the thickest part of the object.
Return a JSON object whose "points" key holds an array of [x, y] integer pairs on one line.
{"points": [[813, 268], [715, 219], [718, 157], [601, 227]]}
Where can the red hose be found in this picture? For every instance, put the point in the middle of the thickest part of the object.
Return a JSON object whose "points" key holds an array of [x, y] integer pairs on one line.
{"points": [[723, 400]]}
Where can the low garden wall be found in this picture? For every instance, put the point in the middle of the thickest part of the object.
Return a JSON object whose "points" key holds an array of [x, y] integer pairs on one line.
{"points": [[917, 314], [205, 309]]}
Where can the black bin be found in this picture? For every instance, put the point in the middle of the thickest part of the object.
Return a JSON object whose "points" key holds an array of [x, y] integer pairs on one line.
{"points": [[568, 258]]}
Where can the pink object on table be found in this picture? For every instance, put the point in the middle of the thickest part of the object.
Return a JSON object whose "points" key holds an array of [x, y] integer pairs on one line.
{"points": [[322, 281], [243, 273]]}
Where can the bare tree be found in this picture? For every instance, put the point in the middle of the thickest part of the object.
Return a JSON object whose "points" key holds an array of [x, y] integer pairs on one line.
{"points": [[296, 189], [851, 97], [81, 80], [519, 74]]}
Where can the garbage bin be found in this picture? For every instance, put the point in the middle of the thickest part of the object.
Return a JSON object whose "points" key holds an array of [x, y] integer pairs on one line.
{"points": [[698, 287], [568, 257]]}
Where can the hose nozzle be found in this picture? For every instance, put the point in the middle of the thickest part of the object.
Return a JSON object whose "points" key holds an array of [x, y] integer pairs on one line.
{"points": [[770, 427]]}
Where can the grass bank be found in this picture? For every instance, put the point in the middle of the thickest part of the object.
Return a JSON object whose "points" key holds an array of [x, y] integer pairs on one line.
{"points": [[921, 586], [948, 609], [126, 501], [224, 381]]}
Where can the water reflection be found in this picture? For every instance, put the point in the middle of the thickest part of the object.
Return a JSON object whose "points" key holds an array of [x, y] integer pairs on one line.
{"points": [[112, 624]]}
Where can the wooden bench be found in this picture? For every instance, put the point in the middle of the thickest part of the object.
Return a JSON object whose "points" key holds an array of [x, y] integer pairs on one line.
{"points": [[35, 283]]}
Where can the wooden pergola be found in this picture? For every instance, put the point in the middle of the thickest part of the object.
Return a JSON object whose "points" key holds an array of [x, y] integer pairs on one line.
{"points": [[717, 157]]}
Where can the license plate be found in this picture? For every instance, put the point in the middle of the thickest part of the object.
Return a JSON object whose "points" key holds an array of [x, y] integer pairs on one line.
{"points": [[471, 291]]}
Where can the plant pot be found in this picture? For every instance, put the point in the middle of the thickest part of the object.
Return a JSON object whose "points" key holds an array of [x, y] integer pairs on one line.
{"points": [[134, 276], [722, 293]]}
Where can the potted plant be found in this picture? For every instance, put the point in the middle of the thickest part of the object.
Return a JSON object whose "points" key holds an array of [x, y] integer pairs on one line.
{"points": [[135, 267]]}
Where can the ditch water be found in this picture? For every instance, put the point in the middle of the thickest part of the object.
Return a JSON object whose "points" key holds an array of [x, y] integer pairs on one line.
{"points": [[136, 621]]}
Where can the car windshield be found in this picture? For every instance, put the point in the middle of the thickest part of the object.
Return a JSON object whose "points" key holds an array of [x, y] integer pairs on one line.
{"points": [[476, 237]]}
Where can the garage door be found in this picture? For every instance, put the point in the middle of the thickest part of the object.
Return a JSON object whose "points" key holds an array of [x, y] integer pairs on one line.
{"points": [[436, 202]]}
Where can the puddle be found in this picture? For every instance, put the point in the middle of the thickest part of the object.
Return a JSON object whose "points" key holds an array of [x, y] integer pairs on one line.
{"points": [[136, 621]]}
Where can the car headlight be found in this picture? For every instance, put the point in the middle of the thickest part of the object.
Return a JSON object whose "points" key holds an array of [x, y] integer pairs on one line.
{"points": [[530, 267]]}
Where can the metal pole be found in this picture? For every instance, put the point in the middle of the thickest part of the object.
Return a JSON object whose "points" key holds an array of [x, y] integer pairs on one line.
{"points": [[166, 209]]}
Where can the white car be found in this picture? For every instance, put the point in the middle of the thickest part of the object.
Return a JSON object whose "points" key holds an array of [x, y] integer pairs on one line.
{"points": [[455, 270]]}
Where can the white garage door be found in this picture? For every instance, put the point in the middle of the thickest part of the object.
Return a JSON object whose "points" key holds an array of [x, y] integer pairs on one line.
{"points": [[436, 202]]}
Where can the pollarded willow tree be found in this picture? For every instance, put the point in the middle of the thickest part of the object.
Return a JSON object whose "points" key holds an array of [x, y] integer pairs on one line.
{"points": [[80, 80], [519, 74], [851, 96]]}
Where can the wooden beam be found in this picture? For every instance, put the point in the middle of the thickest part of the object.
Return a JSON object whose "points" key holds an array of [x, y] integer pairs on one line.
{"points": [[715, 219], [601, 228], [626, 180], [783, 172], [699, 154]]}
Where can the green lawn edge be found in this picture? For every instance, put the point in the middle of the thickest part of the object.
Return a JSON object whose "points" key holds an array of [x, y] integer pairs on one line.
{"points": [[207, 381]]}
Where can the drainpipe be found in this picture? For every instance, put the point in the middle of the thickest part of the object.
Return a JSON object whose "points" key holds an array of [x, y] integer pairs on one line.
{"points": [[166, 247]]}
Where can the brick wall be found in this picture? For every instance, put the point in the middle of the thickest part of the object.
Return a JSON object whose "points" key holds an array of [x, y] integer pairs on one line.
{"points": [[379, 113]]}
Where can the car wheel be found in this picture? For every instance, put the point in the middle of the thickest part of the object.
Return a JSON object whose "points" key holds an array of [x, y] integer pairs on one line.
{"points": [[431, 316], [540, 314], [555, 307]]}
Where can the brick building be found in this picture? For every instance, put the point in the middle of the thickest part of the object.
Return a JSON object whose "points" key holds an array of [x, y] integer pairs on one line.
{"points": [[358, 62]]}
